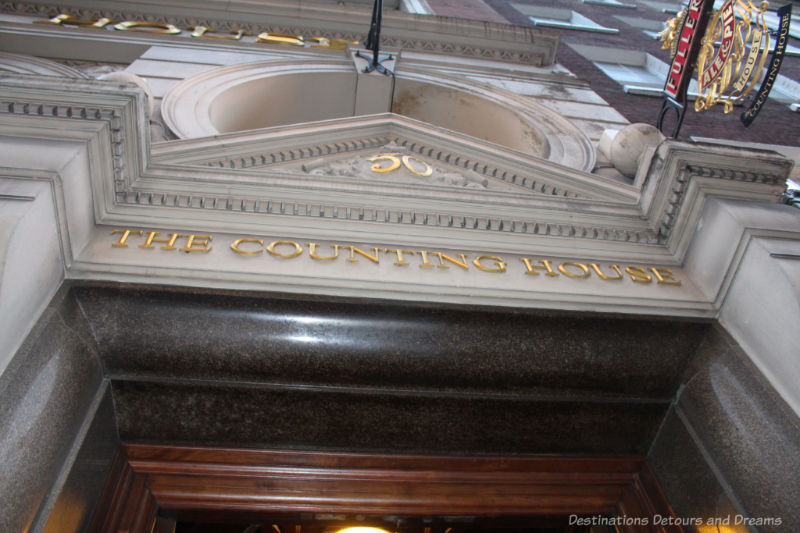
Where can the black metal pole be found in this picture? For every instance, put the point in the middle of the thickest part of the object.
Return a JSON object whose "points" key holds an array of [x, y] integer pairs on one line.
{"points": [[377, 19], [374, 41]]}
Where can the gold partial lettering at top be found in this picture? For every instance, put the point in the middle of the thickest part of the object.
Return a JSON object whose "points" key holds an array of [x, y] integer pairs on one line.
{"points": [[281, 38], [732, 56], [69, 20], [147, 27], [330, 43], [206, 33]]}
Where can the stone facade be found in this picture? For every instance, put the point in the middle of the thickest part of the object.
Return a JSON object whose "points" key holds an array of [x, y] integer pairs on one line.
{"points": [[385, 283]]}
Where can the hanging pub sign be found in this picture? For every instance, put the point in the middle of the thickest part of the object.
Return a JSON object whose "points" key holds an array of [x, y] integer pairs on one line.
{"points": [[683, 37], [728, 49], [782, 37]]}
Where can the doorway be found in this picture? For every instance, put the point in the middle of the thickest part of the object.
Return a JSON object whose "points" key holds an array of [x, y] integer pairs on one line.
{"points": [[168, 489]]}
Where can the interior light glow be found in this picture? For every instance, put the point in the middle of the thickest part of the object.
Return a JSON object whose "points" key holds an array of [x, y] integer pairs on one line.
{"points": [[362, 529]]}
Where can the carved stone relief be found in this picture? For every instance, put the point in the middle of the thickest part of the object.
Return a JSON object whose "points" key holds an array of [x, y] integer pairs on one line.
{"points": [[396, 163]]}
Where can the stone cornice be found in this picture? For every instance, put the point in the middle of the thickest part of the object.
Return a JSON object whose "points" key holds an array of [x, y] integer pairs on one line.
{"points": [[499, 42], [131, 187], [681, 175], [677, 181]]}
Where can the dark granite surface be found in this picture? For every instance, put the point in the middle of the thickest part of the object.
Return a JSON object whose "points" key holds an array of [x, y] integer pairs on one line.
{"points": [[372, 421], [75, 503], [223, 368], [279, 371], [231, 336], [688, 480], [747, 429], [46, 392]]}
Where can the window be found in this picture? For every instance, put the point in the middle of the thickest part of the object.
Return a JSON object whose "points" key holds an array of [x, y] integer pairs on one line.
{"points": [[637, 72], [649, 27], [420, 7], [560, 18], [785, 91], [611, 3], [671, 8]]}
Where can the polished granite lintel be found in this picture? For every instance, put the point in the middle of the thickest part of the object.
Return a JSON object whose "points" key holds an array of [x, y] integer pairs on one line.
{"points": [[277, 371], [271, 370], [186, 413], [147, 333]]}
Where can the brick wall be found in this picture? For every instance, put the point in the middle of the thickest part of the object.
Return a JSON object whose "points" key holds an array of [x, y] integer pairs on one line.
{"points": [[776, 124]]}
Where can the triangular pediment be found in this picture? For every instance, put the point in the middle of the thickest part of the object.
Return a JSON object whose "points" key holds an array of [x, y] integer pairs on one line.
{"points": [[263, 182], [395, 163], [260, 186], [391, 153]]}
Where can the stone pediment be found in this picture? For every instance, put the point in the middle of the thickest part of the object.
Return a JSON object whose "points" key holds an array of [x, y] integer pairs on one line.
{"points": [[309, 184], [394, 163], [395, 155]]}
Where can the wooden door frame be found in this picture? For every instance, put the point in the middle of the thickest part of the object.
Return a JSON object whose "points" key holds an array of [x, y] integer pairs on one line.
{"points": [[209, 482]]}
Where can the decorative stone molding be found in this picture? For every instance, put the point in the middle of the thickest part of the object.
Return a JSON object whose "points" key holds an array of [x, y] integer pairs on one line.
{"points": [[226, 100], [680, 175], [117, 111], [24, 64], [568, 206], [435, 34], [63, 110]]}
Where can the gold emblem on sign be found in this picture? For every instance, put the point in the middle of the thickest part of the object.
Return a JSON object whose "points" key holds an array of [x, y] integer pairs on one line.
{"points": [[394, 160], [669, 35], [733, 53]]}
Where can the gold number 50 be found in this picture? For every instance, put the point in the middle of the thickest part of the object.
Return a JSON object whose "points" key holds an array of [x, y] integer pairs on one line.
{"points": [[394, 161]]}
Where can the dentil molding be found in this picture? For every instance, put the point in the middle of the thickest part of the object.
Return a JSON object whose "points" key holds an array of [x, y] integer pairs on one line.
{"points": [[562, 206]]}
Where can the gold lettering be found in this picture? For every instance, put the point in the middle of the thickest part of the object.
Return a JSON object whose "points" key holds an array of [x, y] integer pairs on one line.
{"points": [[330, 43], [665, 276], [70, 20], [297, 249], [354, 250], [400, 259], [395, 159], [584, 269], [639, 274], [151, 238], [320, 42], [147, 27], [545, 265], [205, 31], [426, 170], [235, 246], [125, 234], [281, 38], [395, 162], [442, 257], [197, 240], [425, 262], [499, 265], [600, 273], [312, 251]]}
